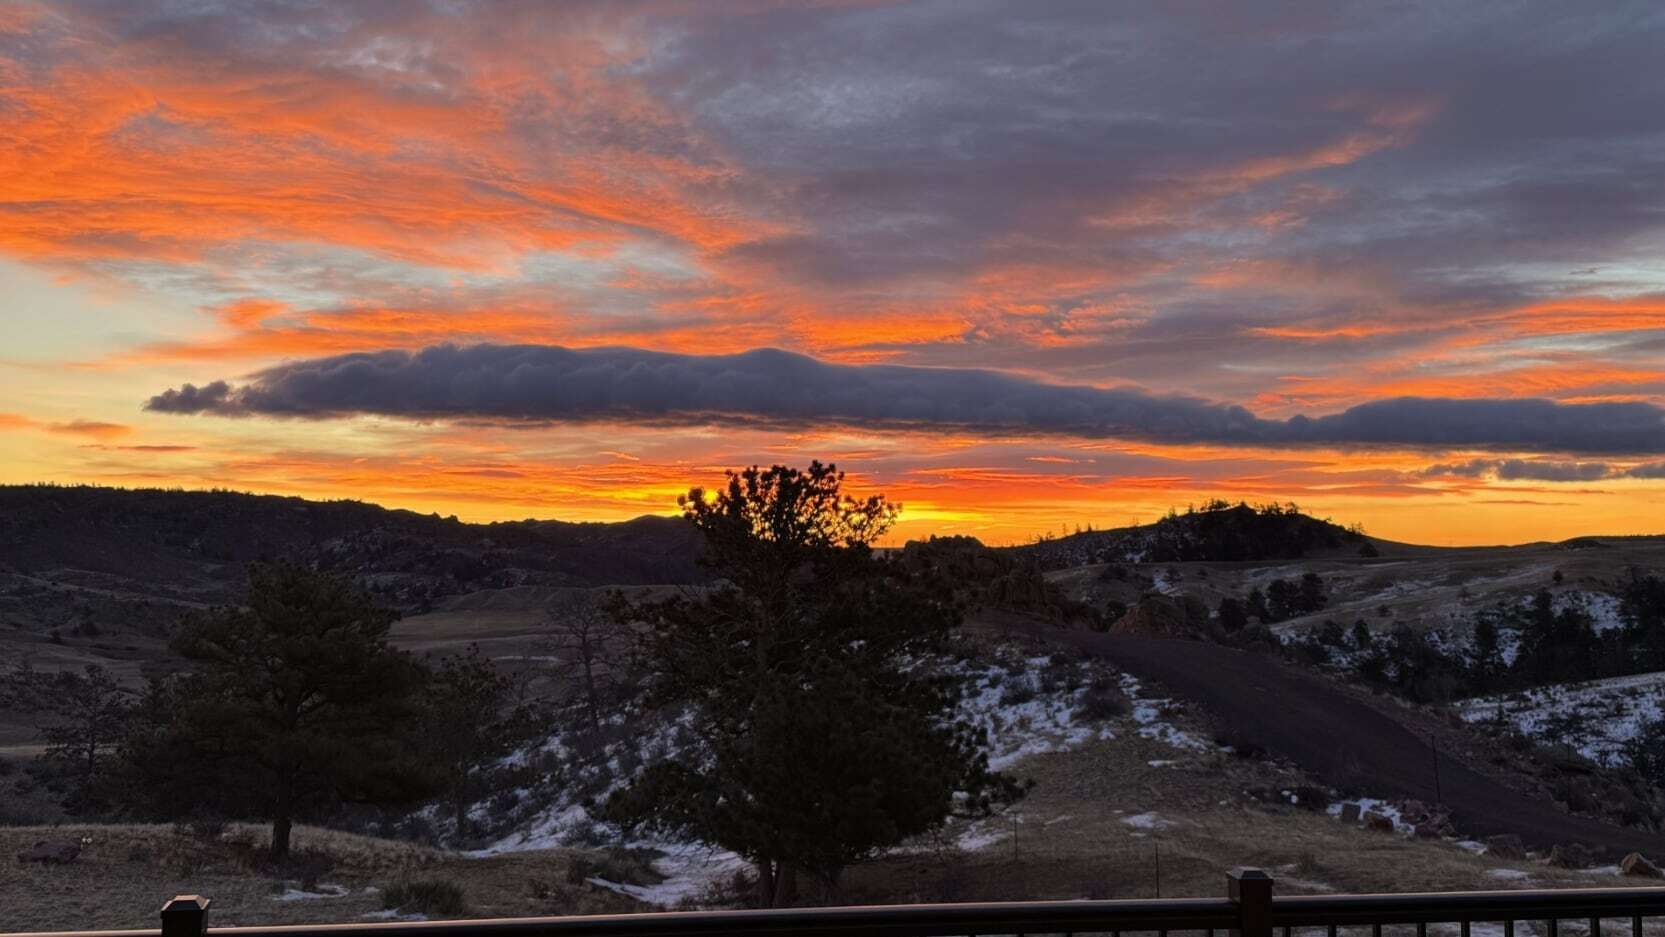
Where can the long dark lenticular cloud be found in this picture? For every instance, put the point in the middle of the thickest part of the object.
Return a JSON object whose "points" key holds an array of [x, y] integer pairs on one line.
{"points": [[555, 384]]}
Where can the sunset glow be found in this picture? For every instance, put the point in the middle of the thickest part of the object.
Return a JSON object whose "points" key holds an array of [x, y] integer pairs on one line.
{"points": [[1079, 199]]}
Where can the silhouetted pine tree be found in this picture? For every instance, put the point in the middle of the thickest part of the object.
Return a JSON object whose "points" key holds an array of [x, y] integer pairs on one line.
{"points": [[288, 708], [825, 742]]}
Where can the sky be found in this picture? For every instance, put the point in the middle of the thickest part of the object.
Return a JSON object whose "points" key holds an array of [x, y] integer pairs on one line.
{"points": [[1023, 267]]}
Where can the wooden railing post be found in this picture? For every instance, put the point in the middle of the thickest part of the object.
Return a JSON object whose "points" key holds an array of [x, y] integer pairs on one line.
{"points": [[185, 916], [1252, 890]]}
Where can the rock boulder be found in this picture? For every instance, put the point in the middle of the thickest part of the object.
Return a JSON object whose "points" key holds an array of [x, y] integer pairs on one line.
{"points": [[1570, 856], [1638, 865]]}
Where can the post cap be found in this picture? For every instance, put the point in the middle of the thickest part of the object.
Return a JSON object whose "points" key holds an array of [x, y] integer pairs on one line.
{"points": [[1246, 873], [187, 903]]}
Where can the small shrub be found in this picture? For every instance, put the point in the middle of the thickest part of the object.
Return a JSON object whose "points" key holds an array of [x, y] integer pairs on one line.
{"points": [[1018, 692], [1060, 674], [434, 897], [589, 833], [1105, 700]]}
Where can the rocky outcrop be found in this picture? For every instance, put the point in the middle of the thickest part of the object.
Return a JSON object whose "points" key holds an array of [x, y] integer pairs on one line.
{"points": [[1156, 616], [1380, 822], [1638, 865], [1429, 822]]}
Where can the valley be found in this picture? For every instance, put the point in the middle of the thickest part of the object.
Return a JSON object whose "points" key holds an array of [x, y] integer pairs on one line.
{"points": [[1153, 738]]}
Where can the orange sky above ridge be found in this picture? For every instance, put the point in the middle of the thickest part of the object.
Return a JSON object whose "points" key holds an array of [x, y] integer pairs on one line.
{"points": [[1154, 204]]}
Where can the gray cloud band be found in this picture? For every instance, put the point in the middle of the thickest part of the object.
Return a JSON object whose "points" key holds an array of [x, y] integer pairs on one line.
{"points": [[549, 383], [1542, 470]]}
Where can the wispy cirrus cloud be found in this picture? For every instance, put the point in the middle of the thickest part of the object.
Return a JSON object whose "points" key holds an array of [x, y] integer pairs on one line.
{"points": [[93, 429]]}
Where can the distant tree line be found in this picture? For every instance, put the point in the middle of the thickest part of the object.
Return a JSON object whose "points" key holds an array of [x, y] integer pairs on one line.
{"points": [[1282, 600], [1513, 648], [1223, 532]]}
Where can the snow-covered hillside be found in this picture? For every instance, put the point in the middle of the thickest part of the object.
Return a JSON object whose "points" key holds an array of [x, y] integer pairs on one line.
{"points": [[1596, 717], [1027, 705]]}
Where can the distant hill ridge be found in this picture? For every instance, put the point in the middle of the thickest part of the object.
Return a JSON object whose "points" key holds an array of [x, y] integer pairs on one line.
{"points": [[1217, 532], [196, 543]]}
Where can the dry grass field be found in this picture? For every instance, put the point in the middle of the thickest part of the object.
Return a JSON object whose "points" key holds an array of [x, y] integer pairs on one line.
{"points": [[1130, 818], [125, 873]]}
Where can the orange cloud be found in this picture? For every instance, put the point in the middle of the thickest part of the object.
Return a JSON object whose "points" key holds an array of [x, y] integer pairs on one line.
{"points": [[129, 150], [95, 429]]}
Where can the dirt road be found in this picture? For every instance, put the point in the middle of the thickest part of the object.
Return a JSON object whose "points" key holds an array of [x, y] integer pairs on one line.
{"points": [[1267, 702]]}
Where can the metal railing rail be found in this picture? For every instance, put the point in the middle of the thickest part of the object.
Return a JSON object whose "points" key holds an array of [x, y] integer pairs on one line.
{"points": [[1248, 910]]}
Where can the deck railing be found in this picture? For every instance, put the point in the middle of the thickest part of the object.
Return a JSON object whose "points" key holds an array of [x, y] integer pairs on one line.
{"points": [[1247, 910]]}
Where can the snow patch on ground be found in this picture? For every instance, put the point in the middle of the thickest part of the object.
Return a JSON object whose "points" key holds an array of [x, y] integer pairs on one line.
{"points": [[1285, 877], [1598, 716], [1602, 608], [1148, 714], [325, 890], [983, 834], [1161, 583], [689, 871], [1369, 805], [1022, 715], [393, 914], [1148, 821], [1509, 875]]}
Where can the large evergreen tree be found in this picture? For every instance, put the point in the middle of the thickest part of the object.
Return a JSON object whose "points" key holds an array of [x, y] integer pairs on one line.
{"points": [[289, 707], [826, 740]]}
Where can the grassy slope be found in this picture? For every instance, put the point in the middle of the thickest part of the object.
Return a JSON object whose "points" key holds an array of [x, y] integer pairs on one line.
{"points": [[1072, 840], [127, 871]]}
